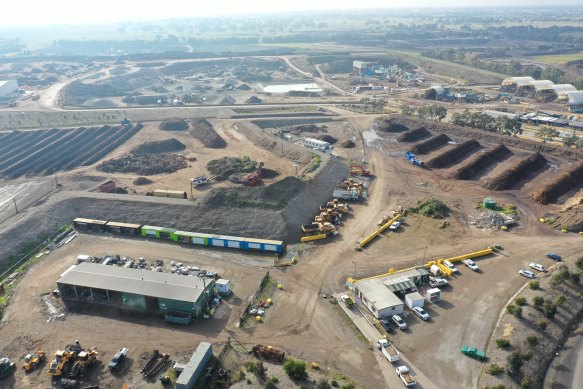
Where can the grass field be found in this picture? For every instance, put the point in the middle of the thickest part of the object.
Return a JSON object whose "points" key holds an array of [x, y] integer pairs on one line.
{"points": [[558, 59]]}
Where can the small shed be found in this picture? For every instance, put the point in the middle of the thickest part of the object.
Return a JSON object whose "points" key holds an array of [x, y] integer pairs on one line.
{"points": [[194, 368], [433, 295], [414, 300], [223, 286], [489, 203]]}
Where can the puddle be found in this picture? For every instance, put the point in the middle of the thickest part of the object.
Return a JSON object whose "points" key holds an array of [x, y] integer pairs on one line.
{"points": [[284, 88]]}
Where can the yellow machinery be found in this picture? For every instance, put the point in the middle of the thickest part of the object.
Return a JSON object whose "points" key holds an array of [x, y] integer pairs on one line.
{"points": [[475, 254], [446, 271], [310, 238], [84, 359], [32, 361], [377, 232], [61, 359]]}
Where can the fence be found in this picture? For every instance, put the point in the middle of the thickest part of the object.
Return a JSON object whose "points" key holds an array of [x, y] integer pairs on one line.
{"points": [[253, 297]]}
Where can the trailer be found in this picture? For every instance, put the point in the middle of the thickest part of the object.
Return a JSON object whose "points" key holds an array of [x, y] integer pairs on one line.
{"points": [[388, 350], [413, 300], [348, 195], [406, 376], [177, 194]]}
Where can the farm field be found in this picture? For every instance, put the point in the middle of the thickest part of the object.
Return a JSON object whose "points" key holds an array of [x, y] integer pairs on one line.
{"points": [[559, 59]]}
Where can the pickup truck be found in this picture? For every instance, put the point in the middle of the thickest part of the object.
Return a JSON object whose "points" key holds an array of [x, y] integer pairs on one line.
{"points": [[473, 352], [394, 226], [406, 376], [388, 350]]}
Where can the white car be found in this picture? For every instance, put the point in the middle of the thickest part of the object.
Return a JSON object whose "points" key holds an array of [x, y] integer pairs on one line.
{"points": [[437, 281], [538, 266], [471, 264], [394, 226], [421, 313], [399, 322], [450, 266], [527, 273]]}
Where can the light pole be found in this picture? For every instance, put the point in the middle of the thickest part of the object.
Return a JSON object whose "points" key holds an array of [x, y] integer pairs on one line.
{"points": [[354, 274], [424, 249]]}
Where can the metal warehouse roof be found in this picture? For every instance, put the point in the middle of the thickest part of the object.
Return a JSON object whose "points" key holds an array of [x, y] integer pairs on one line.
{"points": [[136, 281], [193, 366], [377, 293], [497, 114], [90, 221], [123, 225], [560, 88], [519, 81], [540, 84], [575, 98], [399, 284]]}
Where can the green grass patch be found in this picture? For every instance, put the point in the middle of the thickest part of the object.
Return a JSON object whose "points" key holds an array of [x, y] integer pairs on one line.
{"points": [[558, 59]]}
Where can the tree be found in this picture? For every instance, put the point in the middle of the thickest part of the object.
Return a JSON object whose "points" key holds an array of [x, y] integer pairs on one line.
{"points": [[296, 369], [509, 126], [514, 362], [531, 341], [408, 111], [571, 140], [546, 134], [537, 302]]}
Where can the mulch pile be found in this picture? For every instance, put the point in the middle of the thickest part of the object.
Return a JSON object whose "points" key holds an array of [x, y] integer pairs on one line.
{"points": [[564, 183], [174, 125], [144, 164], [430, 144], [509, 178], [348, 144], [253, 100], [142, 181], [327, 138], [414, 135], [453, 155], [160, 146], [203, 131], [481, 162]]}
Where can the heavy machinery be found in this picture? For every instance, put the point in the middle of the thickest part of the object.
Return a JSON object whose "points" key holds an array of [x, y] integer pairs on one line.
{"points": [[155, 364], [201, 180], [360, 170], [268, 352], [318, 228], [32, 361], [6, 367], [249, 179], [411, 158], [62, 357], [83, 361], [336, 206]]}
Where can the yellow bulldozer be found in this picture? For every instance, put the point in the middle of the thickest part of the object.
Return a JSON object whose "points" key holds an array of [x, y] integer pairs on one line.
{"points": [[32, 361]]}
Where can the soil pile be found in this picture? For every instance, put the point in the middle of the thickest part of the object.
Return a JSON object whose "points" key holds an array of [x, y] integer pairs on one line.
{"points": [[327, 138], [174, 125], [244, 87], [431, 207], [225, 167], [430, 144], [481, 162], [511, 177], [253, 100], [453, 155], [144, 164], [228, 100], [142, 181], [390, 125], [414, 135], [161, 146], [203, 131], [567, 181], [269, 173], [348, 144]]}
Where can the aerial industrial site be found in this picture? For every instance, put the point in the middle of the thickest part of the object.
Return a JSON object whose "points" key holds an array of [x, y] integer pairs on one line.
{"points": [[331, 198]]}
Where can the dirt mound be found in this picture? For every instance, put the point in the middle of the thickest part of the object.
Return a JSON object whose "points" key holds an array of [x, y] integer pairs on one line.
{"points": [[142, 181], [174, 125], [481, 162], [253, 100], [327, 138], [414, 135], [225, 167], [269, 173], [430, 144], [453, 155], [160, 146], [390, 125], [564, 183], [228, 100], [509, 178], [244, 87], [348, 144], [203, 131], [431, 207], [144, 164]]}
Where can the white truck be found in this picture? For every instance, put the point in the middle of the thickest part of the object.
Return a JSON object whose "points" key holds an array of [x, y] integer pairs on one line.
{"points": [[406, 376], [388, 350]]}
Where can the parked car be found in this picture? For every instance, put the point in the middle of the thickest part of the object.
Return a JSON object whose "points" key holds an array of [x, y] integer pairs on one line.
{"points": [[450, 266], [118, 358], [538, 266], [386, 325], [394, 226], [437, 281], [421, 313], [526, 273], [399, 322], [553, 256], [471, 264]]}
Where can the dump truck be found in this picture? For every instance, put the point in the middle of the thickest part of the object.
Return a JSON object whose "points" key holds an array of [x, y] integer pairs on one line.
{"points": [[360, 170], [318, 227], [388, 350], [6, 367], [411, 158], [268, 352], [406, 376], [33, 360], [473, 352]]}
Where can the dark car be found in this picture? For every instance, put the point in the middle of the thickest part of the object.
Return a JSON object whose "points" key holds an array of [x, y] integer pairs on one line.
{"points": [[553, 256], [387, 325], [118, 358]]}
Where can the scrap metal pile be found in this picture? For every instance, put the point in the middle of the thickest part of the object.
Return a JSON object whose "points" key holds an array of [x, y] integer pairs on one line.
{"points": [[491, 219]]}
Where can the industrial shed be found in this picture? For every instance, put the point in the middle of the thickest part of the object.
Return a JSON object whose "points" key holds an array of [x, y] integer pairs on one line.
{"points": [[123, 228], [438, 93], [193, 369], [89, 224], [575, 101], [378, 298], [135, 289], [8, 90], [555, 92], [512, 84]]}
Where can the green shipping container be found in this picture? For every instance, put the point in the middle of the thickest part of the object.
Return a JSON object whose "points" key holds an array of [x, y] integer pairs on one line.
{"points": [[133, 301]]}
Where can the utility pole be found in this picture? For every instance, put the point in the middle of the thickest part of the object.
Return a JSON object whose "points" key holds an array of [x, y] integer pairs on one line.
{"points": [[424, 249], [15, 207], [354, 274]]}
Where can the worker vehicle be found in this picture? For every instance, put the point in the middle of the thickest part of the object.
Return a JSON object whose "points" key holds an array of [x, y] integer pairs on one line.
{"points": [[386, 324], [537, 266], [473, 352], [394, 226], [450, 266], [268, 352], [406, 376], [6, 367], [201, 180], [347, 300], [399, 322], [411, 158], [33, 360], [471, 264], [527, 273], [388, 350], [434, 282], [554, 257], [421, 313]]}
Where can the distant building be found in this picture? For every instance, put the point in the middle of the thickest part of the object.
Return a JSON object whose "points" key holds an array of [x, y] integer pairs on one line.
{"points": [[8, 90], [361, 69], [512, 84], [575, 101], [439, 93], [555, 92]]}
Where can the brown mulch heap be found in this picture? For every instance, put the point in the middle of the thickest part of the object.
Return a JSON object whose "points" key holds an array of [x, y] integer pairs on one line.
{"points": [[327, 138], [348, 144], [142, 181], [203, 131], [160, 146], [174, 125]]}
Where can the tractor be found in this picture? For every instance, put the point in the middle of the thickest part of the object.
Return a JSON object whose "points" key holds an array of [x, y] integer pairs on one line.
{"points": [[6, 367], [32, 361]]}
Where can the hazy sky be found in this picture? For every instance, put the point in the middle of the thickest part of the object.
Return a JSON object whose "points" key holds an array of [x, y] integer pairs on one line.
{"points": [[46, 12]]}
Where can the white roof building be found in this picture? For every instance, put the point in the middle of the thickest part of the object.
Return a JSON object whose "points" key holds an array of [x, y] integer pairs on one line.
{"points": [[575, 98], [540, 84], [518, 81]]}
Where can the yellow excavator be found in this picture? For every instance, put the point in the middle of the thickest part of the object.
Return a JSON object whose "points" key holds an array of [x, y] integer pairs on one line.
{"points": [[32, 361], [62, 357]]}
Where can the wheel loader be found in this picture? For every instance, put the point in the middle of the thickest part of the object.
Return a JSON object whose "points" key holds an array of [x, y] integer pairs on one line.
{"points": [[32, 361]]}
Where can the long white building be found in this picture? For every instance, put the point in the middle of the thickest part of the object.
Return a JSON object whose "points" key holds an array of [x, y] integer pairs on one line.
{"points": [[8, 90]]}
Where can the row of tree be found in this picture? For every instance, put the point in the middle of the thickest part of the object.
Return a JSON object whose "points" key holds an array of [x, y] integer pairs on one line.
{"points": [[502, 125], [549, 134], [433, 112]]}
